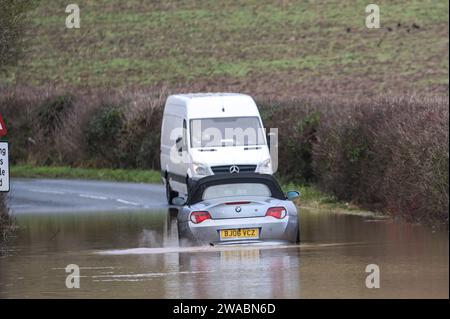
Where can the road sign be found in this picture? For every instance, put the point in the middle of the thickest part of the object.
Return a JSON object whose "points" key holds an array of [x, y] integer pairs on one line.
{"points": [[4, 167], [3, 130]]}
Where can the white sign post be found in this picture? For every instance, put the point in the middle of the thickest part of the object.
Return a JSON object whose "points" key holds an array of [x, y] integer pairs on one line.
{"points": [[4, 167]]}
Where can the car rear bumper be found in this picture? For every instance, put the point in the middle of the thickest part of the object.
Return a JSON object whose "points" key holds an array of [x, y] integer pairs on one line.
{"points": [[270, 229]]}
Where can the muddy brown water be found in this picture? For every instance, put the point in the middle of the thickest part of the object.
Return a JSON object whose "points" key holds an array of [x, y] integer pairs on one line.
{"points": [[136, 255]]}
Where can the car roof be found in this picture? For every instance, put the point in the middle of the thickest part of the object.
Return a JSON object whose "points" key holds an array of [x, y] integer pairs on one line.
{"points": [[197, 189]]}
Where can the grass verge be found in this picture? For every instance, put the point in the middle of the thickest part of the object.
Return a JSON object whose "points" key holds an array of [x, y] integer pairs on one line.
{"points": [[121, 175]]}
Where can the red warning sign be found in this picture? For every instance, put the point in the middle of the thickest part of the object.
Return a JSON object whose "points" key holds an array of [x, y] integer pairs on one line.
{"points": [[3, 130]]}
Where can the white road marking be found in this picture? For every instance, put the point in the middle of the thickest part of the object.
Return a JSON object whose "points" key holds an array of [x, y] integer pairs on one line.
{"points": [[93, 196], [22, 206], [126, 202], [46, 191]]}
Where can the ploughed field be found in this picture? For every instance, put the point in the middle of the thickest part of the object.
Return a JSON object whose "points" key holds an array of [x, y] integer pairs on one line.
{"points": [[263, 47]]}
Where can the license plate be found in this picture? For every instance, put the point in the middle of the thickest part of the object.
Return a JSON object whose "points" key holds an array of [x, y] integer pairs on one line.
{"points": [[239, 233]]}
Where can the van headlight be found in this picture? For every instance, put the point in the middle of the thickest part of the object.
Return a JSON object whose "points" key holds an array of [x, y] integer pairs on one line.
{"points": [[265, 167], [201, 169]]}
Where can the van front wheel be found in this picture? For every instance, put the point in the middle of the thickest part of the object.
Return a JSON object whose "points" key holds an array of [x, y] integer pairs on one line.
{"points": [[297, 237], [170, 194]]}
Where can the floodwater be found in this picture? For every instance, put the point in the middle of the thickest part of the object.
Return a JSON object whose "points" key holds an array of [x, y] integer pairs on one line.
{"points": [[136, 255]]}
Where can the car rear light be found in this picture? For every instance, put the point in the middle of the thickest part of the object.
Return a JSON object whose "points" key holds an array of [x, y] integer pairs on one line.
{"points": [[277, 212], [198, 217], [237, 203]]}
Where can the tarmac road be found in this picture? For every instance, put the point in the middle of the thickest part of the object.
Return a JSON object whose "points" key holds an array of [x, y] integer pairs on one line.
{"points": [[60, 195]]}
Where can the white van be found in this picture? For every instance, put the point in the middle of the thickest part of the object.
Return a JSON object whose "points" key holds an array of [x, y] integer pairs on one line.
{"points": [[210, 133]]}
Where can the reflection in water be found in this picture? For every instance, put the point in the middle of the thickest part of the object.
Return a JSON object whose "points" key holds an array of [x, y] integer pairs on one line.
{"points": [[137, 255]]}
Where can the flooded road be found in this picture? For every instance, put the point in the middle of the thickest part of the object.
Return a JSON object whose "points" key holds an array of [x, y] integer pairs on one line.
{"points": [[135, 254]]}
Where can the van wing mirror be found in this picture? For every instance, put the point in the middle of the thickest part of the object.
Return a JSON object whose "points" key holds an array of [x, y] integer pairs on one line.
{"points": [[271, 137], [179, 144]]}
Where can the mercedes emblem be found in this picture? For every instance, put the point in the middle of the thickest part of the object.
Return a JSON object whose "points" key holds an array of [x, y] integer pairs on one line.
{"points": [[234, 169]]}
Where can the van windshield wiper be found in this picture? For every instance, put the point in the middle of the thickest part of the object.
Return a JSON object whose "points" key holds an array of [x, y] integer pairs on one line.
{"points": [[252, 148]]}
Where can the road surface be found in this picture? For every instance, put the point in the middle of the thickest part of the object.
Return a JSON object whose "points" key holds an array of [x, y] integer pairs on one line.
{"points": [[61, 195]]}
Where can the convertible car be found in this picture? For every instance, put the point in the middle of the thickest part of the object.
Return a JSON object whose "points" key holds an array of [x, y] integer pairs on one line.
{"points": [[237, 208]]}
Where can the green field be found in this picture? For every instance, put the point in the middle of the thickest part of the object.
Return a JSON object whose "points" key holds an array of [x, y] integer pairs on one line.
{"points": [[261, 47]]}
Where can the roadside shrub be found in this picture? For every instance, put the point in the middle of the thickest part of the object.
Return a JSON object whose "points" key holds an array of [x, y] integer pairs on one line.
{"points": [[415, 183], [49, 119], [51, 113], [142, 131], [340, 156], [297, 123], [6, 224], [389, 154], [101, 136], [125, 136], [306, 130]]}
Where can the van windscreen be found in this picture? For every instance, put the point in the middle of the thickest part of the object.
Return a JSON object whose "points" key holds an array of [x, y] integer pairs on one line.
{"points": [[226, 131]]}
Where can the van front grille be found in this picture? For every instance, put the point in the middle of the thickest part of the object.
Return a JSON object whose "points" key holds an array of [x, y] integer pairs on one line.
{"points": [[226, 169]]}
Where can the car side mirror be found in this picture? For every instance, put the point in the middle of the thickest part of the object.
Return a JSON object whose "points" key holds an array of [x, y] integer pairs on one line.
{"points": [[291, 195], [178, 201]]}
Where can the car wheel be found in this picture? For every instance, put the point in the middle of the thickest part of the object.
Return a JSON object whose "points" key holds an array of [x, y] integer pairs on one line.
{"points": [[170, 194], [184, 241]]}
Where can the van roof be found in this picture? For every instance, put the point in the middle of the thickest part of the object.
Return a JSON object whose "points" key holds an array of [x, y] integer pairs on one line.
{"points": [[191, 96], [204, 105]]}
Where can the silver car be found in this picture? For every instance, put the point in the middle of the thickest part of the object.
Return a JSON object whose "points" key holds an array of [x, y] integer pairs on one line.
{"points": [[237, 208]]}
